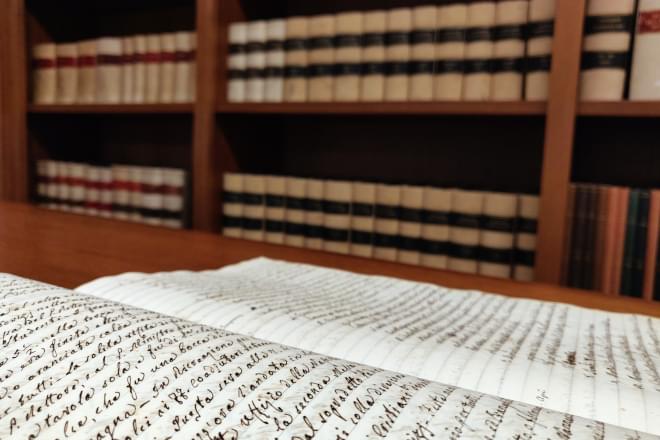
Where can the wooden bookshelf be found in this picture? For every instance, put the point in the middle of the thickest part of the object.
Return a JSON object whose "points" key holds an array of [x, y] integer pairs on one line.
{"points": [[511, 146]]}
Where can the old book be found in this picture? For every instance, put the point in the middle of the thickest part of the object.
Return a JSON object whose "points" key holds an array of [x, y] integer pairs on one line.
{"points": [[479, 51], [67, 73], [388, 206], [609, 242], [373, 56], [465, 232], [640, 243], [140, 69], [509, 51], [93, 190], [617, 273], [362, 219], [106, 189], [422, 40], [410, 226], [136, 178], [62, 186], [348, 56], [167, 68], [43, 180], [154, 72], [232, 204], [175, 190], [652, 246], [644, 76], [76, 183], [86, 72], [184, 67], [52, 186], [255, 82], [275, 35], [450, 51], [44, 73], [628, 262], [497, 239], [600, 237], [275, 209], [152, 203], [337, 199], [121, 192], [607, 37], [435, 230], [128, 70], [254, 207], [397, 54], [578, 233], [294, 228], [314, 232], [237, 62], [296, 59], [108, 70], [540, 33], [321, 58], [526, 229]]}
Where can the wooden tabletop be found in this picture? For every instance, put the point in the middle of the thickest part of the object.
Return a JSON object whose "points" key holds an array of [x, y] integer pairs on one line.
{"points": [[68, 250]]}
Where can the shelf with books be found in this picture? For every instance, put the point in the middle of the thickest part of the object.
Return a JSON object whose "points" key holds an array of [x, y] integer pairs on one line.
{"points": [[112, 108]]}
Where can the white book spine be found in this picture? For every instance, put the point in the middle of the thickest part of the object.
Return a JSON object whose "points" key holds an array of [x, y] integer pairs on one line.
{"points": [[497, 235], [450, 52], [348, 56], [92, 190], [526, 238], [465, 233], [315, 190], [275, 209], [136, 194], [256, 62], [128, 70], [174, 198], [108, 71], [295, 212], [42, 181], [275, 35], [479, 51], [106, 192], [645, 75], [67, 73], [435, 231], [254, 207], [398, 51], [121, 197], [152, 202], [153, 64], [422, 41], [44, 73], [363, 220], [63, 188], [337, 216], [77, 188], [321, 58], [86, 72], [52, 187], [539, 49], [388, 203], [140, 69], [191, 58], [296, 60], [232, 206], [509, 51], [372, 87], [167, 68], [183, 66], [410, 228], [237, 62]]}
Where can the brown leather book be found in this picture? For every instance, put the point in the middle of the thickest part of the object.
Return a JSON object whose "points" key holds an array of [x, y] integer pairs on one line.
{"points": [[652, 245], [624, 196], [609, 244]]}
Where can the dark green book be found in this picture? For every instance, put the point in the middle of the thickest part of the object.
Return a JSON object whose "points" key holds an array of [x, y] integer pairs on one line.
{"points": [[590, 237], [639, 251], [577, 237], [628, 250]]}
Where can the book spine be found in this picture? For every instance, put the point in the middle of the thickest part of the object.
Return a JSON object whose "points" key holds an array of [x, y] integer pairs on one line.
{"points": [[254, 207], [348, 56], [175, 192], [639, 252], [128, 70], [152, 201], [645, 77], [386, 238], [450, 51], [590, 239], [52, 189], [479, 51], [106, 192], [610, 240], [509, 50], [42, 182], [337, 216], [630, 241], [232, 205], [76, 182], [44, 73], [255, 85], [136, 194], [397, 54], [578, 236], [140, 69], [314, 221], [296, 60], [154, 62], [526, 230], [275, 209], [275, 33], [321, 58], [539, 49], [362, 219], [184, 67], [435, 230], [410, 227], [67, 73], [605, 57], [422, 40], [93, 190], [86, 72], [624, 203], [601, 237], [167, 68], [497, 240], [465, 233], [295, 212], [652, 245], [237, 62], [108, 71], [63, 188], [373, 57]]}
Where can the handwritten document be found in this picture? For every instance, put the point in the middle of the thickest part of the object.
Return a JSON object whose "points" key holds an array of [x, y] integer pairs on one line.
{"points": [[596, 365]]}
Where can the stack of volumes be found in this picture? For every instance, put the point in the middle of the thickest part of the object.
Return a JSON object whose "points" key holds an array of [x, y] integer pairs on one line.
{"points": [[157, 68], [150, 195], [460, 50], [613, 240], [492, 234]]}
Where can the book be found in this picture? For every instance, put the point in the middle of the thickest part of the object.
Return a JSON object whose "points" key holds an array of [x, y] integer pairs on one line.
{"points": [[62, 186], [526, 229], [410, 226], [274, 83], [296, 60], [237, 62], [67, 73], [592, 209], [628, 263], [644, 76], [136, 174], [337, 199], [509, 50], [314, 230], [52, 175], [167, 82], [121, 192], [348, 56], [386, 225], [86, 72], [152, 203], [624, 203], [106, 195], [153, 62], [275, 209], [497, 239], [184, 67], [175, 183], [450, 51], [600, 237], [652, 246], [609, 245], [578, 236], [43, 181], [479, 51], [641, 236], [44, 73], [435, 230], [465, 232], [140, 69], [373, 56], [321, 57], [362, 219], [422, 40], [254, 207], [255, 82], [93, 184], [539, 49], [76, 183], [128, 70], [108, 70], [397, 54], [232, 204], [294, 228], [607, 37]]}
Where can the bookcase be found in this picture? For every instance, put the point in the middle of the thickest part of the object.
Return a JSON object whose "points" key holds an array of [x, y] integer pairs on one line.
{"points": [[510, 146]]}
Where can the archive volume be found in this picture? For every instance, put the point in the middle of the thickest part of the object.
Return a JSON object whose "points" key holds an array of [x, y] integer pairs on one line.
{"points": [[155, 196], [140, 69], [461, 50], [489, 233]]}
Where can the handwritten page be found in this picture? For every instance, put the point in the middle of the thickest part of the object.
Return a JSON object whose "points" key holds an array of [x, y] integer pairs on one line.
{"points": [[593, 364], [75, 366]]}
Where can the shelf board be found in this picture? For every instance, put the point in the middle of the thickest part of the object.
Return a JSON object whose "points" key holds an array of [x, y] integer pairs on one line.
{"points": [[112, 108], [388, 108], [648, 109]]}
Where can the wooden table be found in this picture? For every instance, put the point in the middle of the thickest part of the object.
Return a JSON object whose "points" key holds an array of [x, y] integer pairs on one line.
{"points": [[68, 250]]}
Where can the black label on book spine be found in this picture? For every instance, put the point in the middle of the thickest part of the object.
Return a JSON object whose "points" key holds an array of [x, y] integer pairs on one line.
{"points": [[411, 215], [313, 205], [422, 36], [456, 35], [397, 38], [479, 34], [464, 252], [362, 237], [255, 46], [362, 210], [232, 197], [338, 208], [295, 203], [478, 66], [397, 68], [336, 235], [231, 222], [253, 73], [387, 212], [320, 43], [435, 247], [314, 231], [527, 226], [386, 241], [275, 201], [294, 229], [449, 66], [295, 72], [509, 32], [539, 64], [540, 29], [253, 199], [253, 224], [345, 69], [466, 220], [436, 218], [410, 243], [274, 45], [317, 70], [500, 224], [294, 44], [236, 49], [348, 40], [421, 67], [597, 24], [373, 39], [498, 256], [604, 60], [274, 72], [373, 69], [275, 226], [236, 74], [525, 258], [501, 65]]}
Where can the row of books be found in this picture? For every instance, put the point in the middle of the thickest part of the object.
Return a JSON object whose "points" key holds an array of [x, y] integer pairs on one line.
{"points": [[156, 68], [492, 234], [608, 48], [613, 240], [460, 50], [155, 196]]}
